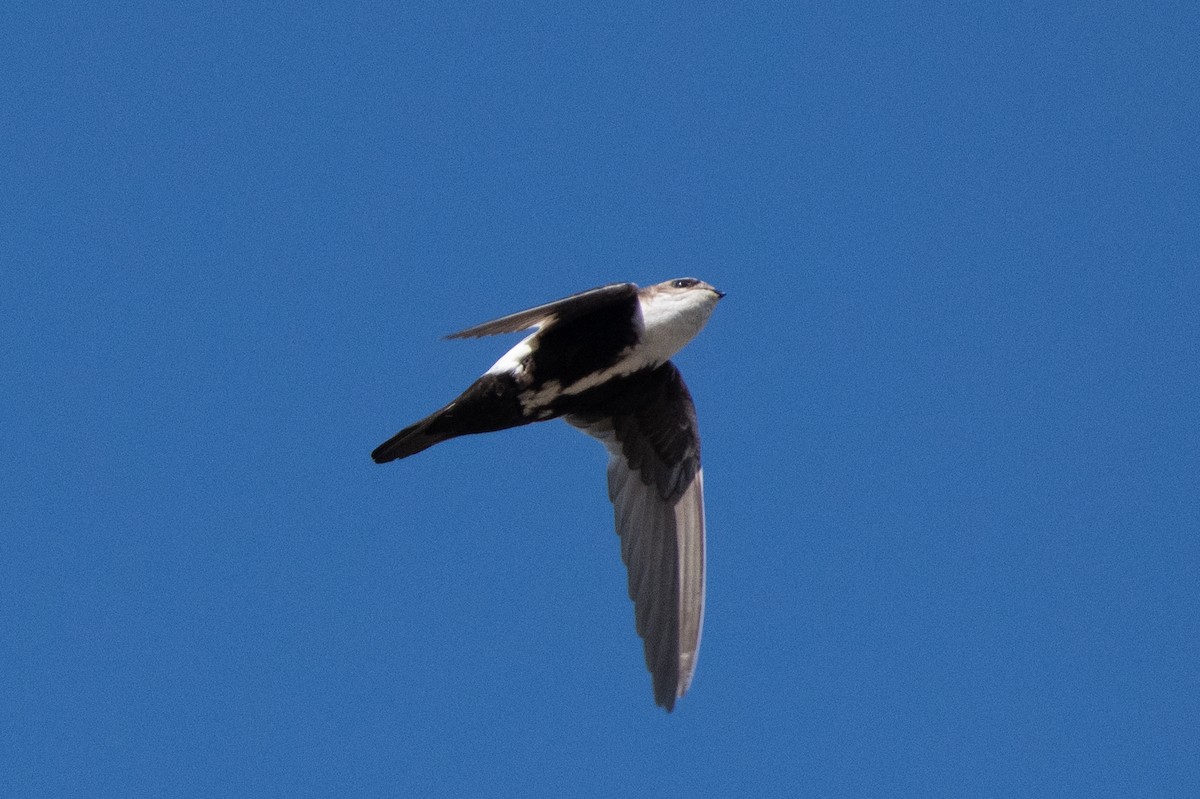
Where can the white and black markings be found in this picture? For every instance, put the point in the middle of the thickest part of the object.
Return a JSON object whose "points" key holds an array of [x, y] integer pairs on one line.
{"points": [[600, 359]]}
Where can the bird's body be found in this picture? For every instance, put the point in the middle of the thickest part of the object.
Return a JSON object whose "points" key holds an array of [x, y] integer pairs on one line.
{"points": [[601, 360]]}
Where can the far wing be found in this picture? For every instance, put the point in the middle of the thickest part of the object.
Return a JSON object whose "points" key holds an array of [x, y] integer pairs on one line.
{"points": [[657, 489], [559, 310]]}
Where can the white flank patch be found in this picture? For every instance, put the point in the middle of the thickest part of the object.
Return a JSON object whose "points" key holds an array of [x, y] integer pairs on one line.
{"points": [[511, 360]]}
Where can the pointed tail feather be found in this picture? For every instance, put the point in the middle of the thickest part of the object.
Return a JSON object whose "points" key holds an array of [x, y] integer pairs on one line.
{"points": [[491, 403], [410, 441]]}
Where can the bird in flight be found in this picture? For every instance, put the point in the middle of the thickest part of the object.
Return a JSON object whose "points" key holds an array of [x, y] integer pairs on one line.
{"points": [[600, 359]]}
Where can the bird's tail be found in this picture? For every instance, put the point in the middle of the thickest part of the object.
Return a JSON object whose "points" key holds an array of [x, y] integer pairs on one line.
{"points": [[491, 403], [411, 440]]}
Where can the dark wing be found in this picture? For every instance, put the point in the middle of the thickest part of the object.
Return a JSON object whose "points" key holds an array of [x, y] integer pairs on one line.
{"points": [[560, 310], [657, 490]]}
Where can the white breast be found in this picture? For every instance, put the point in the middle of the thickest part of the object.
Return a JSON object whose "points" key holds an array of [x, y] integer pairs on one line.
{"points": [[670, 320], [666, 321]]}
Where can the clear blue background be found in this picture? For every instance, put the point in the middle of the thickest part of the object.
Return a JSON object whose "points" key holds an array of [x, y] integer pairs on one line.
{"points": [[949, 406]]}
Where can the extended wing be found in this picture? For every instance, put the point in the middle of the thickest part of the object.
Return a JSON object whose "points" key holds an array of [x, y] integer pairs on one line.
{"points": [[560, 310], [657, 489]]}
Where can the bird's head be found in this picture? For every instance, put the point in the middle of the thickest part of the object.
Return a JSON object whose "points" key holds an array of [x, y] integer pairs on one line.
{"points": [[674, 311]]}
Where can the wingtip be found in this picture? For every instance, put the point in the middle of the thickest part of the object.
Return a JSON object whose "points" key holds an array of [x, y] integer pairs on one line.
{"points": [[666, 692]]}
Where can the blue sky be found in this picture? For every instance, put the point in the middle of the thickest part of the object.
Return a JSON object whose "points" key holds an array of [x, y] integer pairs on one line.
{"points": [[949, 405]]}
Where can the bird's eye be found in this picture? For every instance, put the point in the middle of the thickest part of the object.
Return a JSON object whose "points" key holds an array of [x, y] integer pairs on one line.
{"points": [[684, 283]]}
